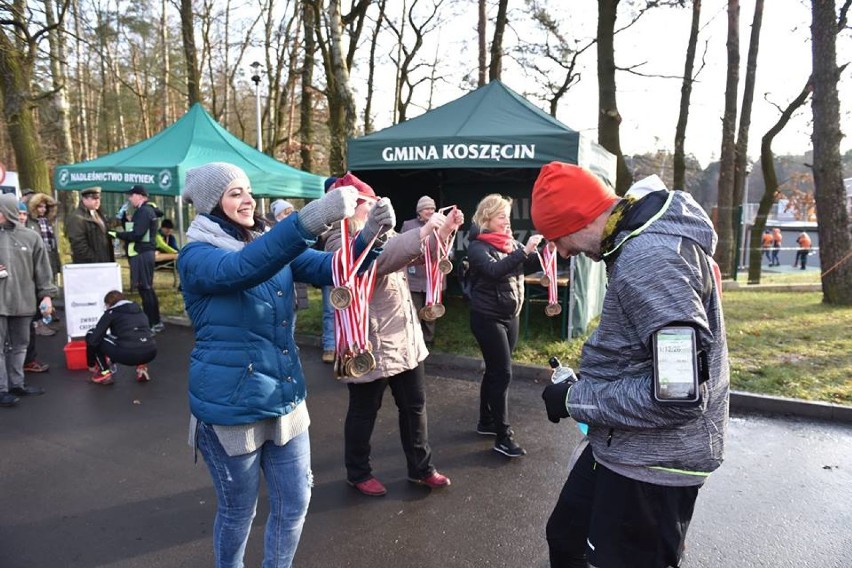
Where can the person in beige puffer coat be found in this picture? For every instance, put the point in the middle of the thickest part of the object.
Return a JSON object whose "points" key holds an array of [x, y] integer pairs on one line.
{"points": [[399, 349]]}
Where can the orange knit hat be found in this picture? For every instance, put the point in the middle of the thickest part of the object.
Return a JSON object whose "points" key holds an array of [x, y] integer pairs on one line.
{"points": [[566, 198]]}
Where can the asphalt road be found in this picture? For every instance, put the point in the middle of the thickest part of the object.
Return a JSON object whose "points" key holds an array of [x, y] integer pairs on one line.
{"points": [[96, 476]]}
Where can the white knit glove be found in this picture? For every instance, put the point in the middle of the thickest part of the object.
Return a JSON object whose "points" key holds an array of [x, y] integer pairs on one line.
{"points": [[339, 203], [381, 219]]}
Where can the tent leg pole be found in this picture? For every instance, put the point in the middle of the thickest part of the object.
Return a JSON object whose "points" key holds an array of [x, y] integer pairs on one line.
{"points": [[181, 231]]}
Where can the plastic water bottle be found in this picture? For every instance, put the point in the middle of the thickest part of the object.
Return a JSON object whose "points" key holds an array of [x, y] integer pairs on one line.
{"points": [[46, 318], [561, 374]]}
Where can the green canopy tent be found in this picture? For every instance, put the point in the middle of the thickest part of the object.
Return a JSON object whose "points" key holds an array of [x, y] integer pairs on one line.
{"points": [[490, 140], [160, 163]]}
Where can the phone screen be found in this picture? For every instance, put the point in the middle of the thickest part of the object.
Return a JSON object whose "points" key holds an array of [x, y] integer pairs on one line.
{"points": [[675, 368]]}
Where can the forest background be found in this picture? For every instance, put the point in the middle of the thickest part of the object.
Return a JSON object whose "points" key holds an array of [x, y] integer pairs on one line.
{"points": [[82, 78]]}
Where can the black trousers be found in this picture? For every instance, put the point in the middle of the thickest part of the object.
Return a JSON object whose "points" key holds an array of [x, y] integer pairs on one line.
{"points": [[365, 400], [610, 521], [121, 355], [31, 348], [497, 338], [142, 278]]}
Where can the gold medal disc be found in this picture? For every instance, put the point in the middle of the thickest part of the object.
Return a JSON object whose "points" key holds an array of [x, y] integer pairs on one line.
{"points": [[545, 281], [362, 364], [426, 313], [445, 266], [439, 310], [553, 310], [340, 297]]}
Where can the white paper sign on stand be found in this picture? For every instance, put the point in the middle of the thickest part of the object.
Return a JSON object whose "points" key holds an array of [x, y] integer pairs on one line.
{"points": [[85, 287]]}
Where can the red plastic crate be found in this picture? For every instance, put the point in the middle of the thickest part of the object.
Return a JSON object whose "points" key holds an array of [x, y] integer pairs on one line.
{"points": [[75, 355]]}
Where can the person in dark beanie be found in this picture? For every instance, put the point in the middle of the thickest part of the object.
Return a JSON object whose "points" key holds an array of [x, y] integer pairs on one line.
{"points": [[246, 385], [141, 236], [25, 277], [121, 336], [631, 490]]}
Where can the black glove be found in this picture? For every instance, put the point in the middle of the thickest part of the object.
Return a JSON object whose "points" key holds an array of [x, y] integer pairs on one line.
{"points": [[556, 400]]}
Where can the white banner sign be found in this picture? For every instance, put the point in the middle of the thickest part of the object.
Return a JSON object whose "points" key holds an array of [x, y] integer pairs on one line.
{"points": [[85, 288]]}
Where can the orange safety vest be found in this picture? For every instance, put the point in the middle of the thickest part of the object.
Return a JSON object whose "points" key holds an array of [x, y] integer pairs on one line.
{"points": [[804, 241]]}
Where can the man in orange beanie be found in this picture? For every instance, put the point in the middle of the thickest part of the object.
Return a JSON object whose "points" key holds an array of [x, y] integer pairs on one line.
{"points": [[651, 445]]}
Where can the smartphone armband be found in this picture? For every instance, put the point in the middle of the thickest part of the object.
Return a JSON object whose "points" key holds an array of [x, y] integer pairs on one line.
{"points": [[677, 371]]}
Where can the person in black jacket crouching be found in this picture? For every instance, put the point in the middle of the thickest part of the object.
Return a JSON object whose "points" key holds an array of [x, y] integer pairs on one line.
{"points": [[122, 335]]}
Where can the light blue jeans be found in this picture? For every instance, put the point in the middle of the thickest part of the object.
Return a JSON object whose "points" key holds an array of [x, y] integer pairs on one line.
{"points": [[287, 470], [14, 337], [327, 320]]}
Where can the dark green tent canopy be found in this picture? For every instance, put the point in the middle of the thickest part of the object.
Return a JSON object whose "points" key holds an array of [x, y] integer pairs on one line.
{"points": [[491, 127], [160, 163], [491, 140]]}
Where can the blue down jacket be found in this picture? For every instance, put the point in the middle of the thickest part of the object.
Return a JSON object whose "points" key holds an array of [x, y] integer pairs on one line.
{"points": [[245, 364]]}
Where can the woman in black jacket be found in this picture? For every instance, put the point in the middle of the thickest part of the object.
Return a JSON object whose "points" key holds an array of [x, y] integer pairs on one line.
{"points": [[122, 335], [497, 262]]}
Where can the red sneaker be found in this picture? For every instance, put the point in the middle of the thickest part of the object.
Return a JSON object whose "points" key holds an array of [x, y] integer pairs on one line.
{"points": [[102, 378], [36, 367], [142, 373], [434, 481], [371, 487]]}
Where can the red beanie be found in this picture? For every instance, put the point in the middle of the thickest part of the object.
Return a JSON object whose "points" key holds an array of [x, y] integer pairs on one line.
{"points": [[350, 179], [566, 198]]}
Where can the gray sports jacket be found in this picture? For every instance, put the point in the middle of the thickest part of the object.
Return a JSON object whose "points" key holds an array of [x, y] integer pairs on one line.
{"points": [[662, 275]]}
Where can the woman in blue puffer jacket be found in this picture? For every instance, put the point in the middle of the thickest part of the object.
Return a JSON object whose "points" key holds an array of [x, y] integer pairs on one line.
{"points": [[246, 387]]}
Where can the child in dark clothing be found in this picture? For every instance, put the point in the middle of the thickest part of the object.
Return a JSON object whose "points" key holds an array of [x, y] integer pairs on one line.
{"points": [[122, 335]]}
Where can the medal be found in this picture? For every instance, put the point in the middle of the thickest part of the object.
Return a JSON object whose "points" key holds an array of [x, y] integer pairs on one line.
{"points": [[545, 280], [427, 313], [340, 297], [553, 310], [445, 266], [361, 364]]}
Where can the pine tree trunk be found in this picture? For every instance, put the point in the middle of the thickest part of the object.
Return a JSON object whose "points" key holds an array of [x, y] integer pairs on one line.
{"points": [[306, 117], [193, 79], [741, 167], [835, 240], [770, 182], [609, 119], [495, 69], [58, 57], [82, 88], [726, 206], [343, 117], [166, 116], [30, 161], [679, 158]]}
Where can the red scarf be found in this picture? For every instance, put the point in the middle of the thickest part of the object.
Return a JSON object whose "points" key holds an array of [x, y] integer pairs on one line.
{"points": [[500, 241]]}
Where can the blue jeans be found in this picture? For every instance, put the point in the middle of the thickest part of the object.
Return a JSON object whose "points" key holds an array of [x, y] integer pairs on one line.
{"points": [[14, 337], [287, 470], [327, 320]]}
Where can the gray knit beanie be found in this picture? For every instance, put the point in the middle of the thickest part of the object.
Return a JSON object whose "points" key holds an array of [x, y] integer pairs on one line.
{"points": [[425, 202], [205, 184]]}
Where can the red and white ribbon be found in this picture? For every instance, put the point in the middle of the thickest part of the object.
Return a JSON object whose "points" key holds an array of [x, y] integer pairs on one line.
{"points": [[351, 323], [547, 258]]}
